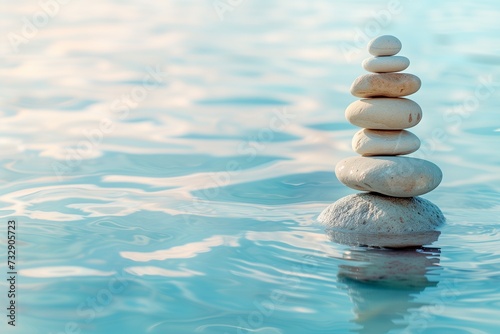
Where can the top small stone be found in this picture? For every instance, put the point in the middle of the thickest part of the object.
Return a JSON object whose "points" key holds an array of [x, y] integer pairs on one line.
{"points": [[385, 45]]}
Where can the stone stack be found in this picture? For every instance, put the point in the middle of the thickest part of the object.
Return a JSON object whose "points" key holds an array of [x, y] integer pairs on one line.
{"points": [[384, 115]]}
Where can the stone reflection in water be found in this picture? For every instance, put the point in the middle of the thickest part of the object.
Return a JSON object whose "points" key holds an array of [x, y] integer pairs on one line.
{"points": [[388, 240], [384, 284]]}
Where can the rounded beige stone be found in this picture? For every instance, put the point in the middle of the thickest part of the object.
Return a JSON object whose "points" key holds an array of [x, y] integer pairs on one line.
{"points": [[389, 175], [384, 113], [385, 45], [386, 64], [371, 219], [385, 84], [384, 142]]}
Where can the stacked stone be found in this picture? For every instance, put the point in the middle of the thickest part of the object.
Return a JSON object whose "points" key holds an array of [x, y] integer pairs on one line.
{"points": [[390, 215], [385, 115]]}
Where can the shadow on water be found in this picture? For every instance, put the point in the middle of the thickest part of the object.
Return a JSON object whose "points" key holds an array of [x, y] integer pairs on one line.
{"points": [[384, 284]]}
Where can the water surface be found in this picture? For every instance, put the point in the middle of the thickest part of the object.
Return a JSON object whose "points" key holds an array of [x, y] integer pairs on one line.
{"points": [[166, 167]]}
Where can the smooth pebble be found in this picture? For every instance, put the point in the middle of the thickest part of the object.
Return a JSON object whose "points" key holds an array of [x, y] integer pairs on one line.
{"points": [[384, 113], [389, 175], [384, 142], [386, 64], [376, 220], [385, 45], [385, 84]]}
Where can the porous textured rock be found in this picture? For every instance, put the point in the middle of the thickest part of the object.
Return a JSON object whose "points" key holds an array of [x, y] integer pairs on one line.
{"points": [[389, 175], [385, 84], [384, 142], [377, 220]]}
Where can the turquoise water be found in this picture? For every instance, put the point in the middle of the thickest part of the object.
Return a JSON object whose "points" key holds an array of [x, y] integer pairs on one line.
{"points": [[166, 167]]}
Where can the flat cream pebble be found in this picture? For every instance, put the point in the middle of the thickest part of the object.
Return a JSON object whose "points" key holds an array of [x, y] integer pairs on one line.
{"points": [[386, 64], [385, 45], [384, 142]]}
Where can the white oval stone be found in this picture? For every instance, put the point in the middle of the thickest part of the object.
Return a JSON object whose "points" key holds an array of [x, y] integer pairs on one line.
{"points": [[385, 84], [384, 113], [389, 175], [386, 64], [385, 45], [384, 142], [370, 219]]}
